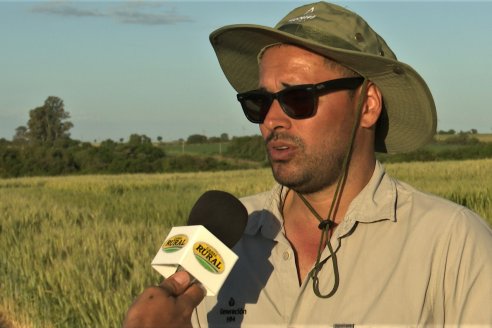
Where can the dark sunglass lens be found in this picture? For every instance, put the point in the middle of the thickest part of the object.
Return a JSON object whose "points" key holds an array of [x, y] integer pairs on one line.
{"points": [[298, 103], [256, 106]]}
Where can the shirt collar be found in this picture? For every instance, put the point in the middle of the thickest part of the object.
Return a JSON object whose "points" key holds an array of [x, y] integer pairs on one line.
{"points": [[376, 202]]}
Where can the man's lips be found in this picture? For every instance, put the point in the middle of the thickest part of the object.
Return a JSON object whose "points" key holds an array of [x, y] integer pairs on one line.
{"points": [[281, 150]]}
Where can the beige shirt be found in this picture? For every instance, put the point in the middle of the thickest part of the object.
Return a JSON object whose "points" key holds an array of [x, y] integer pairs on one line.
{"points": [[405, 258]]}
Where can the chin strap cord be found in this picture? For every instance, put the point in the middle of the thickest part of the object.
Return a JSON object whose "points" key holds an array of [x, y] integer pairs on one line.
{"points": [[326, 226]]}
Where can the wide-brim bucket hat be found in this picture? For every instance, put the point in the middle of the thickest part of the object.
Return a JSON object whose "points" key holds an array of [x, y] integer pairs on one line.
{"points": [[408, 120]]}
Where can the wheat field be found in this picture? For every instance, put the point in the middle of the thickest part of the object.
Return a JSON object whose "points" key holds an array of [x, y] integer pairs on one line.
{"points": [[76, 250]]}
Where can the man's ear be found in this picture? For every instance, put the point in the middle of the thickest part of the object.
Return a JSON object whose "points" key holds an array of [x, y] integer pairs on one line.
{"points": [[372, 107]]}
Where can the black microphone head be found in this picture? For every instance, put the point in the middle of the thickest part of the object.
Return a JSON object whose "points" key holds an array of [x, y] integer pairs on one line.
{"points": [[222, 214]]}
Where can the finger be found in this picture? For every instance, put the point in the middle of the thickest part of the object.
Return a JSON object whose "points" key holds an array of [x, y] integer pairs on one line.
{"points": [[176, 284], [190, 299]]}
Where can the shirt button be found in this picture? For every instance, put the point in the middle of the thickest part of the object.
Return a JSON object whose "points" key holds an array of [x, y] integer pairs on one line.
{"points": [[286, 255]]}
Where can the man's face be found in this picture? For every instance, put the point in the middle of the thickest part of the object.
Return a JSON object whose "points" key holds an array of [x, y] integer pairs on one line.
{"points": [[306, 155]]}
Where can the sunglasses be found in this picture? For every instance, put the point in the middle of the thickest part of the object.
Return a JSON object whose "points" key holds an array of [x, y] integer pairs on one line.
{"points": [[298, 101]]}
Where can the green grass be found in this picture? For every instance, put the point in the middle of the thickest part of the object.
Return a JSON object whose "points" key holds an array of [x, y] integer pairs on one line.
{"points": [[76, 250]]}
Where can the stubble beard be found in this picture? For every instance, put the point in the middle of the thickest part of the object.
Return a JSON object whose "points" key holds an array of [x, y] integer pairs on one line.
{"points": [[310, 171]]}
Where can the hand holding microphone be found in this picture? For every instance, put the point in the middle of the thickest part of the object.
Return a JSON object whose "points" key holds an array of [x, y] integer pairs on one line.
{"points": [[168, 305], [216, 223]]}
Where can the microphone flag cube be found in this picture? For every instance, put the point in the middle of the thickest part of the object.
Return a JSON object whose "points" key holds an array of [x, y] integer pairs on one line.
{"points": [[197, 251]]}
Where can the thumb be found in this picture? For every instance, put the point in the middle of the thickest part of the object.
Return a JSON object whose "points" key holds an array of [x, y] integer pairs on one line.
{"points": [[177, 283]]}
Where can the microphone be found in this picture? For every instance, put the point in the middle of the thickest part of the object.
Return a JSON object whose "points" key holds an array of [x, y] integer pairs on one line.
{"points": [[202, 248]]}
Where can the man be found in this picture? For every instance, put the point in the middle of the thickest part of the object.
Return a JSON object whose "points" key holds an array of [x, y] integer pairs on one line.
{"points": [[338, 242]]}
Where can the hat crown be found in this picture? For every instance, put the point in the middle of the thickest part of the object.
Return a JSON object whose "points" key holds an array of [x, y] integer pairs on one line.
{"points": [[334, 26]]}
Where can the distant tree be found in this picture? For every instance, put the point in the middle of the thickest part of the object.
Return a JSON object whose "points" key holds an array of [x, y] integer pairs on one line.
{"points": [[159, 138], [137, 139], [197, 138], [224, 137], [10, 160], [473, 131], [48, 123], [108, 143], [451, 131], [21, 134], [248, 147], [462, 138], [137, 155]]}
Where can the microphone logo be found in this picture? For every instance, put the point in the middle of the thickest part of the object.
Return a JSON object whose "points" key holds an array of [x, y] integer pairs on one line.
{"points": [[175, 243], [208, 257]]}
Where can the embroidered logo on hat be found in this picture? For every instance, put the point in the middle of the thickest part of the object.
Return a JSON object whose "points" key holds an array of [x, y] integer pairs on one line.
{"points": [[306, 16]]}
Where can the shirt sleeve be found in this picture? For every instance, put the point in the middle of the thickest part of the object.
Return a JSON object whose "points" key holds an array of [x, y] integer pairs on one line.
{"points": [[467, 281]]}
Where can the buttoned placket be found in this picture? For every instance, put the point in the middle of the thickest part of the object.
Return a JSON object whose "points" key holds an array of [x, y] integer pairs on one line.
{"points": [[286, 269], [286, 272], [327, 274]]}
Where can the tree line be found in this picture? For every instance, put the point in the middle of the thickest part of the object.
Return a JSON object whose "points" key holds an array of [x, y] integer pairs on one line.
{"points": [[44, 147]]}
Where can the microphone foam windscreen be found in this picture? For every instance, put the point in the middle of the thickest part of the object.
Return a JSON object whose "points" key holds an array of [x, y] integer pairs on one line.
{"points": [[222, 214]]}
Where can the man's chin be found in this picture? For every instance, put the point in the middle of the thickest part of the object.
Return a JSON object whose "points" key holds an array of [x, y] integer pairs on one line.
{"points": [[300, 183], [287, 178], [292, 176]]}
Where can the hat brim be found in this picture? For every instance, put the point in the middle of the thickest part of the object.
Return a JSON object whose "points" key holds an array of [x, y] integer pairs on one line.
{"points": [[410, 119]]}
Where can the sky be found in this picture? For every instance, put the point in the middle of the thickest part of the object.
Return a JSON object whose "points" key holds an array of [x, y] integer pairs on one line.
{"points": [[147, 67]]}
